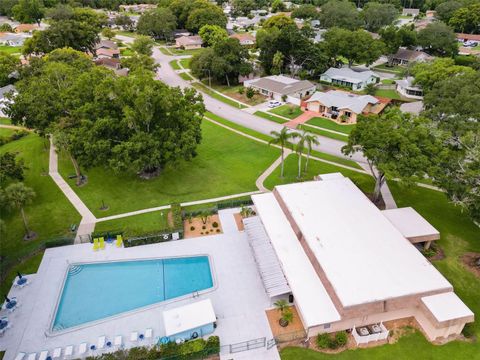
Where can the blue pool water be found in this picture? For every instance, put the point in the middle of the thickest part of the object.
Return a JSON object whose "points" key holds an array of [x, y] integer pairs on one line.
{"points": [[96, 291]]}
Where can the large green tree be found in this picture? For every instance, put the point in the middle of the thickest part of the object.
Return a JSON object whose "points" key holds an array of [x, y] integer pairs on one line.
{"points": [[8, 65], [306, 11], [29, 11], [211, 34], [427, 74], [143, 45], [395, 145], [446, 10], [466, 19], [158, 23], [17, 196], [210, 15], [343, 14], [378, 15], [439, 39], [11, 168]]}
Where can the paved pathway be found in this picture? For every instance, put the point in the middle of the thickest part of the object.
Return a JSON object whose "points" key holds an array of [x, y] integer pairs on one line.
{"points": [[270, 170], [87, 224], [307, 115], [229, 225]]}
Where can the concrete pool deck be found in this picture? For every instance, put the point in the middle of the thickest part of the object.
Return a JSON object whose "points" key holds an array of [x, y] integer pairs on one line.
{"points": [[239, 300]]}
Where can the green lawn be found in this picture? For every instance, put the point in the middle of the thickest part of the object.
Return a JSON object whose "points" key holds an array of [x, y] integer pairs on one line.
{"points": [[458, 235], [10, 49], [5, 121], [388, 93], [6, 132], [126, 52], [136, 225], [50, 215], [174, 65], [365, 182], [185, 76], [288, 111], [330, 125], [391, 69], [217, 96], [270, 117], [323, 133], [176, 51], [185, 63], [388, 81], [165, 51], [226, 164]]}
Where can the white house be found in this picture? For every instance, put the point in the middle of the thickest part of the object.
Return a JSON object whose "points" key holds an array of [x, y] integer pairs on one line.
{"points": [[353, 79], [350, 266], [278, 86], [407, 89]]}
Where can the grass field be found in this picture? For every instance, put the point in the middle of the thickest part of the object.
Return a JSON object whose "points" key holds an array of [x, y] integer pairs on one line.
{"points": [[288, 111], [185, 63], [5, 121], [6, 132], [10, 49], [176, 51], [330, 125], [458, 235], [323, 133], [174, 65], [50, 215], [388, 93], [365, 182], [185, 76], [391, 69], [136, 225], [270, 117], [217, 96], [226, 164]]}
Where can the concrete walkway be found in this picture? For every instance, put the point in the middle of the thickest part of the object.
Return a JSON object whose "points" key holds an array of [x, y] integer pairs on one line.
{"points": [[87, 224], [270, 170], [307, 115]]}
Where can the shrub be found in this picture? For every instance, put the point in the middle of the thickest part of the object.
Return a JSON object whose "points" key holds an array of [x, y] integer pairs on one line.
{"points": [[192, 228], [58, 242], [250, 93], [468, 330], [241, 90], [341, 338], [218, 230], [323, 341], [203, 227], [215, 224], [177, 216]]}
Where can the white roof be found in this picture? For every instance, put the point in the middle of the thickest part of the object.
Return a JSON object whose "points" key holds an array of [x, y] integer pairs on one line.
{"points": [[410, 223], [343, 100], [311, 298], [282, 79], [188, 317], [347, 74], [446, 306], [408, 83], [363, 255]]}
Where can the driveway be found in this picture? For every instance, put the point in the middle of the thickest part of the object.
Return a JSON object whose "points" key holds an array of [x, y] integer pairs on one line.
{"points": [[167, 75]]}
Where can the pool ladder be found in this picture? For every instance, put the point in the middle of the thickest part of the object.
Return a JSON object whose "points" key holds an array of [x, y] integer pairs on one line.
{"points": [[74, 270], [195, 294]]}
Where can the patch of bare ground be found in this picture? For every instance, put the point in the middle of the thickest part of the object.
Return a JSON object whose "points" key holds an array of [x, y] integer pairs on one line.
{"points": [[471, 261], [198, 227], [238, 219]]}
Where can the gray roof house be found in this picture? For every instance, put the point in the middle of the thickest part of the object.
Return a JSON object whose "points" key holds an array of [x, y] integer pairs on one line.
{"points": [[277, 86], [406, 56], [355, 80], [407, 89]]}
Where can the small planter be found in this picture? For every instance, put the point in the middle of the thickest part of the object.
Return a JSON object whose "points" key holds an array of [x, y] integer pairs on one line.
{"points": [[283, 322]]}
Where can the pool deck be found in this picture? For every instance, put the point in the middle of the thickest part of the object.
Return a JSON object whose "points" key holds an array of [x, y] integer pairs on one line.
{"points": [[239, 300]]}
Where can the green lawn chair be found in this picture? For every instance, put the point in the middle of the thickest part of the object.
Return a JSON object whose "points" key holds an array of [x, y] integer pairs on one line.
{"points": [[96, 245], [102, 243], [119, 241]]}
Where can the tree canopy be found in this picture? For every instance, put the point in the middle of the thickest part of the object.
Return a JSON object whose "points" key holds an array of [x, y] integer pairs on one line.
{"points": [[158, 23], [306, 11], [28, 11], [439, 39], [378, 15], [340, 13], [211, 34], [466, 19], [8, 65]]}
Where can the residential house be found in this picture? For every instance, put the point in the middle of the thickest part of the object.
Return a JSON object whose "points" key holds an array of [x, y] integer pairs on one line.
{"points": [[407, 89], [3, 100], [189, 42], [108, 53], [110, 63], [106, 44], [355, 275], [430, 14], [343, 106], [246, 39], [26, 28], [181, 32], [410, 12], [353, 79], [467, 37], [279, 86], [137, 8], [406, 56]]}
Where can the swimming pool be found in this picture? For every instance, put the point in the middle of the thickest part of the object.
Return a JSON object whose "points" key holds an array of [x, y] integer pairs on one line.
{"points": [[99, 290]]}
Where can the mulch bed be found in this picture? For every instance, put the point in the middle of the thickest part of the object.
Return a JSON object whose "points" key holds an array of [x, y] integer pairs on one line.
{"points": [[198, 227], [469, 259]]}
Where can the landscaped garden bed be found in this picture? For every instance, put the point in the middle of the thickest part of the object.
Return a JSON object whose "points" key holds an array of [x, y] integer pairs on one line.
{"points": [[206, 224]]}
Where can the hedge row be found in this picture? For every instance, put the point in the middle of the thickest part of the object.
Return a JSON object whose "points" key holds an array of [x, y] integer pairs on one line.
{"points": [[190, 350], [18, 134]]}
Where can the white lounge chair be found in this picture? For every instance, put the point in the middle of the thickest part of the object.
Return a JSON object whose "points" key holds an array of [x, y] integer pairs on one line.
{"points": [[82, 349], [32, 356], [68, 352], [43, 355], [149, 335], [20, 356], [101, 342], [57, 353], [117, 342], [134, 336]]}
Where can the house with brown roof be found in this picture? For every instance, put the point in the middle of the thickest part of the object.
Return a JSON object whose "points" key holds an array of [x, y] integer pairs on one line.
{"points": [[26, 28], [189, 42], [108, 53], [246, 39], [110, 63], [106, 44], [406, 56]]}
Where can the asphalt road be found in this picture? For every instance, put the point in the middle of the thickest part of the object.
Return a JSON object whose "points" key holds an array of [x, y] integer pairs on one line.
{"points": [[167, 75]]}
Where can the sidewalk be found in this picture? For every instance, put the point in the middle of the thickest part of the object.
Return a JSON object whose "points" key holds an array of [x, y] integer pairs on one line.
{"points": [[307, 115]]}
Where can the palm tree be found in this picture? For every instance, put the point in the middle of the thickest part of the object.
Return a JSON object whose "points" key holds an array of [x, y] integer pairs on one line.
{"points": [[281, 138], [310, 140], [18, 195], [299, 150]]}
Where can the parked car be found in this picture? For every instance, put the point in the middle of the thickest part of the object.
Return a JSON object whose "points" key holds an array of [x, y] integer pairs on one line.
{"points": [[274, 103]]}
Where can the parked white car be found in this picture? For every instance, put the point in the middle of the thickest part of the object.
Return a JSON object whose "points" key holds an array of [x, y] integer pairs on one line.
{"points": [[274, 103]]}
